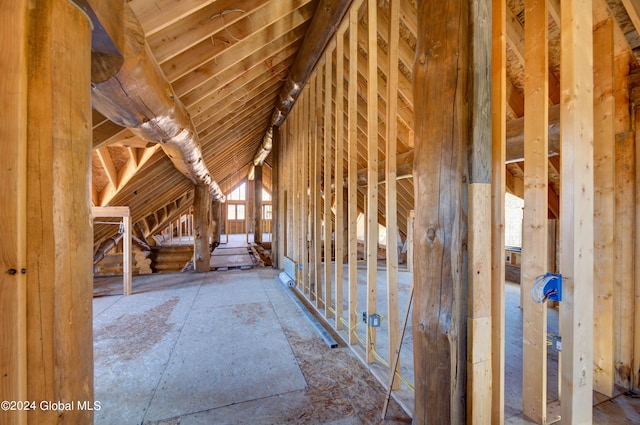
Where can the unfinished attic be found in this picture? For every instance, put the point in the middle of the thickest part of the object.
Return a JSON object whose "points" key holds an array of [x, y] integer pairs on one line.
{"points": [[319, 212]]}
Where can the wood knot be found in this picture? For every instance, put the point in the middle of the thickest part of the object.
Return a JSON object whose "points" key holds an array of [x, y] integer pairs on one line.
{"points": [[431, 234]]}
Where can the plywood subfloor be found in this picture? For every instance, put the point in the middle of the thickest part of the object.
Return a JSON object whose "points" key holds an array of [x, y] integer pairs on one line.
{"points": [[223, 348], [231, 257]]}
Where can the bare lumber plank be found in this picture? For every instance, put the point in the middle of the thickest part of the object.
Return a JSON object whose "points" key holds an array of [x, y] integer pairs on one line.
{"points": [[352, 173], [127, 269], [479, 320], [208, 23], [604, 206], [624, 287], [534, 240], [480, 162], [636, 325], [59, 268], [13, 226], [319, 99], [372, 166], [391, 198], [409, 241], [157, 15], [339, 176], [304, 134], [576, 211], [439, 311], [327, 184], [498, 136]]}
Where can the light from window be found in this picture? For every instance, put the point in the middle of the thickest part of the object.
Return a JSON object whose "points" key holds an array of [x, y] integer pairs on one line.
{"points": [[231, 212], [513, 220], [266, 196], [266, 212], [239, 194]]}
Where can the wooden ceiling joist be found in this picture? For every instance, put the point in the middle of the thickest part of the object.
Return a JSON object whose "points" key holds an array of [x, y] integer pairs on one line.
{"points": [[139, 97]]}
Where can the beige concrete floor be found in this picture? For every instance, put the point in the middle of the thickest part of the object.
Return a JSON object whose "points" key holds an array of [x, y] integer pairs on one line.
{"points": [[222, 348], [176, 352]]}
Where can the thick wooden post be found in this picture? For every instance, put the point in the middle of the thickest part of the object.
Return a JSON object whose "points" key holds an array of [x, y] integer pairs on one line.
{"points": [[576, 210], [59, 268], [201, 253], [13, 223], [440, 180], [258, 204], [216, 216]]}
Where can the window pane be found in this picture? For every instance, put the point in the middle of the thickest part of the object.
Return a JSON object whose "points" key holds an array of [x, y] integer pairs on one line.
{"points": [[266, 212], [241, 192], [266, 196], [240, 214], [231, 212]]}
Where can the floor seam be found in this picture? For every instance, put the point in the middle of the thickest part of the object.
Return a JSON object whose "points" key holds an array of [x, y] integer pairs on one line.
{"points": [[155, 389]]}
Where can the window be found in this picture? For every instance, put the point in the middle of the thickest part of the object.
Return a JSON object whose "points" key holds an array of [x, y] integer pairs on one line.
{"points": [[266, 212], [266, 196], [235, 211], [513, 220], [239, 193]]}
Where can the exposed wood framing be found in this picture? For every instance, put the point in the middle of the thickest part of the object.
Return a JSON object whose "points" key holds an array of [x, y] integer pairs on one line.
{"points": [[480, 161], [534, 238], [391, 199], [372, 166], [304, 193], [319, 99], [127, 101], [13, 223], [313, 188], [59, 268], [440, 275], [124, 213], [258, 204], [339, 176], [498, 136], [326, 189], [576, 231], [604, 207], [201, 252], [352, 187], [624, 289]]}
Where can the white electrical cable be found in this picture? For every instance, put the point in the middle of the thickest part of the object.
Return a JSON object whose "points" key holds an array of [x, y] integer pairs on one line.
{"points": [[539, 286]]}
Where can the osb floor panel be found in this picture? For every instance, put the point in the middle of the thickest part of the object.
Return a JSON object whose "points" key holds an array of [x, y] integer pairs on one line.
{"points": [[231, 257], [223, 349]]}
